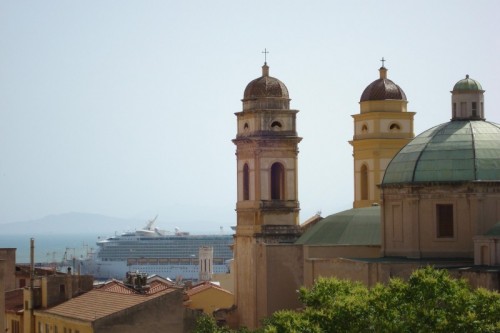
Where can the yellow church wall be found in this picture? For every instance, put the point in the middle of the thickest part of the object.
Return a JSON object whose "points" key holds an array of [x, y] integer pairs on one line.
{"points": [[384, 106], [210, 300], [405, 126]]}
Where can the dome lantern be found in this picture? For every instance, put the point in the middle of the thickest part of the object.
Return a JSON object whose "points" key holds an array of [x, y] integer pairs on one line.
{"points": [[467, 100]]}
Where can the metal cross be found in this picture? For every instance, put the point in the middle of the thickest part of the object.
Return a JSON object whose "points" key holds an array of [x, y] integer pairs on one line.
{"points": [[265, 54], [383, 60]]}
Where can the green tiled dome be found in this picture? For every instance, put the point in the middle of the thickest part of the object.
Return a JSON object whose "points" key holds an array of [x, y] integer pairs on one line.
{"points": [[465, 150], [467, 84], [358, 226]]}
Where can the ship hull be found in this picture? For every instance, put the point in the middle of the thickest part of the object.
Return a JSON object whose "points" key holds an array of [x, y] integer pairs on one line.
{"points": [[118, 269], [175, 257]]}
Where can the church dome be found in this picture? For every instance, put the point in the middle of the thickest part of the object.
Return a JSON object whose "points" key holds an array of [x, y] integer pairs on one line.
{"points": [[357, 226], [457, 151], [382, 89], [265, 86], [467, 84]]}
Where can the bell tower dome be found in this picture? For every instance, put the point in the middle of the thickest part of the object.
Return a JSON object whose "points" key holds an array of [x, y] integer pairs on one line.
{"points": [[267, 205]]}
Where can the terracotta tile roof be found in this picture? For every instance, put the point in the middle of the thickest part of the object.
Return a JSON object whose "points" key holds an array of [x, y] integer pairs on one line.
{"points": [[119, 287], [204, 286], [14, 300], [114, 296]]}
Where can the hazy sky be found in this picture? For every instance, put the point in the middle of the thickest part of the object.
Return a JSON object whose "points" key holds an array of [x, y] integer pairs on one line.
{"points": [[126, 108]]}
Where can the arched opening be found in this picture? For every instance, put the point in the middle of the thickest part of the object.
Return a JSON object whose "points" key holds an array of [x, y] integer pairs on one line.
{"points": [[276, 125], [364, 182], [364, 129], [277, 181], [485, 255], [246, 182], [394, 127]]}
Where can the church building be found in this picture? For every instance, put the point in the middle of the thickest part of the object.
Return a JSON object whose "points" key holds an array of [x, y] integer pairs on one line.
{"points": [[432, 199]]}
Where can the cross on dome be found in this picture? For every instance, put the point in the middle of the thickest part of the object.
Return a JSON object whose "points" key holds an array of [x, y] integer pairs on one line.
{"points": [[265, 55], [383, 60]]}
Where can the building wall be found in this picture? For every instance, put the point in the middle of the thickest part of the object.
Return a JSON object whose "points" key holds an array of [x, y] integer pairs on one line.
{"points": [[9, 255], [50, 324], [14, 321], [282, 271], [165, 313], [409, 218], [226, 280], [372, 272], [59, 288], [341, 251], [210, 300], [161, 314]]}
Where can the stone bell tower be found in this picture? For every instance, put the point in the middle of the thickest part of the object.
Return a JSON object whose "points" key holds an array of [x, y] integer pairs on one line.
{"points": [[267, 204], [381, 129]]}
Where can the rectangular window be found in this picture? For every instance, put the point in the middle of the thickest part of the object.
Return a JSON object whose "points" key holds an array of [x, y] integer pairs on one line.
{"points": [[444, 218], [474, 109]]}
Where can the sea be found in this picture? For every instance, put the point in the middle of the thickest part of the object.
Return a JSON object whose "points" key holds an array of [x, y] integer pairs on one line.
{"points": [[50, 248]]}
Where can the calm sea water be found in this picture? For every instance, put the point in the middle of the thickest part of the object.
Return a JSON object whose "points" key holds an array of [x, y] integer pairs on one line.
{"points": [[49, 248]]}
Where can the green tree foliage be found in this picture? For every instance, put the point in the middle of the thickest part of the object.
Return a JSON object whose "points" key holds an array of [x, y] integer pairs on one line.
{"points": [[430, 301]]}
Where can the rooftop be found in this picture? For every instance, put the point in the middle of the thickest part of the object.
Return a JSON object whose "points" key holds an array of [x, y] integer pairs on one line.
{"points": [[110, 298], [358, 226], [467, 84], [461, 150]]}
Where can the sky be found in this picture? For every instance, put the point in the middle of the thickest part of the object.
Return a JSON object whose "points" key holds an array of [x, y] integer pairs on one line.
{"points": [[126, 108]]}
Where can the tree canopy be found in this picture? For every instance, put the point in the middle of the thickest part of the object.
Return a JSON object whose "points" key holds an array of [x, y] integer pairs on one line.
{"points": [[429, 301]]}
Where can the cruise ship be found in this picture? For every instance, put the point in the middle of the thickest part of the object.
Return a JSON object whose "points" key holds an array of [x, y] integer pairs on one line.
{"points": [[153, 251]]}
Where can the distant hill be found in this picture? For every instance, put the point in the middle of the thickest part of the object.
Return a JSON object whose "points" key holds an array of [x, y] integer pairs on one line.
{"points": [[71, 223]]}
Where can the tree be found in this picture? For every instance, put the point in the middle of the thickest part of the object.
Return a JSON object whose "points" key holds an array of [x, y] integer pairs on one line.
{"points": [[429, 301]]}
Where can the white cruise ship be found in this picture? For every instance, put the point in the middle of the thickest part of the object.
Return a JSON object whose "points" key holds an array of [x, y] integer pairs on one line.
{"points": [[152, 251]]}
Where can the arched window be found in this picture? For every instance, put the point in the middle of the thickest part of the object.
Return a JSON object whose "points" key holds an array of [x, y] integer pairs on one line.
{"points": [[246, 182], [364, 129], [364, 182], [277, 181]]}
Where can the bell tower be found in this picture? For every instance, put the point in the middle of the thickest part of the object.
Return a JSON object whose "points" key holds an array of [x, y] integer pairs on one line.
{"points": [[381, 129], [267, 205]]}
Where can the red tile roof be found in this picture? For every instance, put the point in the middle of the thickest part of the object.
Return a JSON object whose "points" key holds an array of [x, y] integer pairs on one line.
{"points": [[14, 300], [110, 298], [204, 286]]}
